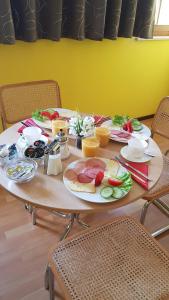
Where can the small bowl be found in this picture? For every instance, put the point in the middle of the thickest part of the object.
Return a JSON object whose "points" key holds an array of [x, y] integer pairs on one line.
{"points": [[21, 170], [35, 153]]}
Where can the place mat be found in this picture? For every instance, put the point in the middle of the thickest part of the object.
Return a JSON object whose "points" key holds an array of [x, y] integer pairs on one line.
{"points": [[99, 120], [142, 167]]}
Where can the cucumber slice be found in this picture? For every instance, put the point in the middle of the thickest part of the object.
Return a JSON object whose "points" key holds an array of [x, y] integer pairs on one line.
{"points": [[106, 192], [128, 181], [117, 193], [124, 176], [137, 127], [126, 188]]}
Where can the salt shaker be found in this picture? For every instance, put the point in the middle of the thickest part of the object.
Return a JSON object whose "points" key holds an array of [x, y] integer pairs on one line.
{"points": [[54, 166], [63, 142]]}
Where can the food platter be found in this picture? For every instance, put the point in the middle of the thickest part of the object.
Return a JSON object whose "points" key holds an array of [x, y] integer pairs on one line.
{"points": [[144, 133], [63, 113], [92, 193]]}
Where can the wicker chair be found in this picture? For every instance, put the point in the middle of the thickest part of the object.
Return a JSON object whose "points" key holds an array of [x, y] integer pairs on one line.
{"points": [[118, 261], [18, 101], [160, 126]]}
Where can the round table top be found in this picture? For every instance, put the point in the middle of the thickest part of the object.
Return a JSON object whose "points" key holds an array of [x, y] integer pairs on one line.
{"points": [[49, 191]]}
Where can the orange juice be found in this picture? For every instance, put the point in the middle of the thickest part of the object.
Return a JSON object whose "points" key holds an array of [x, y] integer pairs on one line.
{"points": [[102, 134], [90, 146], [57, 125]]}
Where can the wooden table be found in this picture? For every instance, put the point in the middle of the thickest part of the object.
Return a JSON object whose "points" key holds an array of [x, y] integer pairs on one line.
{"points": [[49, 192]]}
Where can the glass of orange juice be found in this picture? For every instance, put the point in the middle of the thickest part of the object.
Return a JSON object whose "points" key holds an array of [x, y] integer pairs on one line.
{"points": [[59, 124], [103, 135], [90, 146]]}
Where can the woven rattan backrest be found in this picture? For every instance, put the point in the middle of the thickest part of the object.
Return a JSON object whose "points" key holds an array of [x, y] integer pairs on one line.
{"points": [[116, 261], [18, 101], [160, 123]]}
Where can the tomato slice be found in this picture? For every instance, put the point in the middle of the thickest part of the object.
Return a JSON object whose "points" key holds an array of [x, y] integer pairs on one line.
{"points": [[115, 182], [99, 178], [55, 115], [46, 114]]}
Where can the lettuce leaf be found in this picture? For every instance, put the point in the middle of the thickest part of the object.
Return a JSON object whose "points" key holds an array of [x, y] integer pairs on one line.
{"points": [[119, 120]]}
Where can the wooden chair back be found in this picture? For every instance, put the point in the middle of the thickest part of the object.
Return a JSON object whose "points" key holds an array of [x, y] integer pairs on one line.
{"points": [[160, 123], [18, 101]]}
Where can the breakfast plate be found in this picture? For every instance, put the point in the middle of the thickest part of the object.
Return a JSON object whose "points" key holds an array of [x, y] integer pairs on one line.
{"points": [[124, 154], [144, 133], [63, 113], [74, 179]]}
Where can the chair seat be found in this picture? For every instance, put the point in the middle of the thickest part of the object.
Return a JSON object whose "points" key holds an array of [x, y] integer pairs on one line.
{"points": [[118, 261], [162, 186]]}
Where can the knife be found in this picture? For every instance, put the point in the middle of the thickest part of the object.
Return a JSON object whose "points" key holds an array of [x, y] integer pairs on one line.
{"points": [[131, 167]]}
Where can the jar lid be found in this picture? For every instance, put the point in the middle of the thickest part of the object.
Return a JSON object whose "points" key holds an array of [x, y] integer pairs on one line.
{"points": [[61, 136]]}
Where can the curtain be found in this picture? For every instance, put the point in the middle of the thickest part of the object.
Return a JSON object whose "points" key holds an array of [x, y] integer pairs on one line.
{"points": [[30, 20]]}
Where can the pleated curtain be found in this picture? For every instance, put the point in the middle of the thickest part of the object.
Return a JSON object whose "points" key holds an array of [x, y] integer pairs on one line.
{"points": [[30, 20]]}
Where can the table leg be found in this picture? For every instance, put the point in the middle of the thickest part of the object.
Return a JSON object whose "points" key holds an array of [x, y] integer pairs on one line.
{"points": [[80, 222], [68, 227], [73, 218]]}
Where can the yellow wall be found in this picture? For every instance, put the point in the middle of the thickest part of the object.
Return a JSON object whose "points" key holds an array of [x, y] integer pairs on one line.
{"points": [[123, 76]]}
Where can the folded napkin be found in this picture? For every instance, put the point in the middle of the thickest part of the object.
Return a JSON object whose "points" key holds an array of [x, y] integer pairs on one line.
{"points": [[99, 120], [29, 123], [142, 167]]}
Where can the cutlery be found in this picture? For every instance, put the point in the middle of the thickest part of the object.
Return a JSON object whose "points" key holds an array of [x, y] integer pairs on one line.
{"points": [[134, 169], [150, 154]]}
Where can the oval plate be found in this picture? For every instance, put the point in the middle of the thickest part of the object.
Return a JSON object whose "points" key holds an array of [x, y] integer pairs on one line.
{"points": [[93, 197], [144, 133], [65, 113]]}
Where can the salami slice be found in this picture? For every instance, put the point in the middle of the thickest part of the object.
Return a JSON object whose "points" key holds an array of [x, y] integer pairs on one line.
{"points": [[95, 163], [79, 167], [83, 178], [92, 172], [115, 132], [70, 175], [124, 135]]}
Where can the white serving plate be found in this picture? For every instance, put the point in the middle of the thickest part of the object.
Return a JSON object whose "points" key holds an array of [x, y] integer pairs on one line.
{"points": [[144, 133], [65, 113], [93, 197]]}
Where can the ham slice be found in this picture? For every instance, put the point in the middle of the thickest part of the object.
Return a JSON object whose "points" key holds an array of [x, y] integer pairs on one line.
{"points": [[92, 172], [79, 167], [70, 175], [95, 163]]}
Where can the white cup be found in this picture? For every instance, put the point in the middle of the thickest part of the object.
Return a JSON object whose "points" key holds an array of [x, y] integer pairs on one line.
{"points": [[32, 134], [136, 148]]}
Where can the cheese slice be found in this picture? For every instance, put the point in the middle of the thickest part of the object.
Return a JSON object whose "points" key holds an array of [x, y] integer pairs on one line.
{"points": [[81, 187], [112, 168]]}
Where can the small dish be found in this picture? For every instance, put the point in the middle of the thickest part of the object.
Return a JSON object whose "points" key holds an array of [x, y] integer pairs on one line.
{"points": [[35, 153], [22, 170], [124, 153]]}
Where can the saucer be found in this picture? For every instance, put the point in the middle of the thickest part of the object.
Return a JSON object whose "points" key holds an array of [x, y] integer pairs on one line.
{"points": [[124, 153]]}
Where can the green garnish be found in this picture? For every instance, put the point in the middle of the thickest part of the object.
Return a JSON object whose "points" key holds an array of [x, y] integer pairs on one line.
{"points": [[118, 120], [38, 116]]}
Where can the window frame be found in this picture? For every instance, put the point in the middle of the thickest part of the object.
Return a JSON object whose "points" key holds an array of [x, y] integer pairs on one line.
{"points": [[160, 30]]}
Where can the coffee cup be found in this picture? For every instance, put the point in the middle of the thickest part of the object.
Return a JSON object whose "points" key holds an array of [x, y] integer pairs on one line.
{"points": [[136, 148], [32, 134]]}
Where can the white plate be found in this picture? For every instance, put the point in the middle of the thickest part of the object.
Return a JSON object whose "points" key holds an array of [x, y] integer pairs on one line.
{"points": [[124, 153], [93, 197], [144, 133], [65, 113]]}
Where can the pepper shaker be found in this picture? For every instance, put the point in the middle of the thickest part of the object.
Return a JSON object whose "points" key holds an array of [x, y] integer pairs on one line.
{"points": [[63, 142]]}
